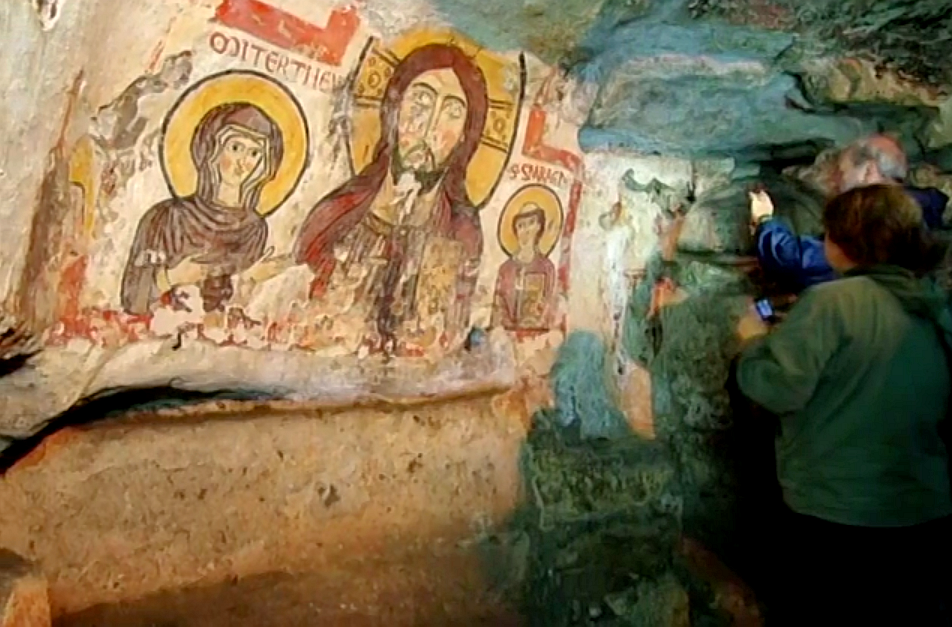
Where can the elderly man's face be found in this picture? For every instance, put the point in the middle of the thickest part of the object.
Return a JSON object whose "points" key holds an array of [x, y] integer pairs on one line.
{"points": [[852, 174], [431, 120]]}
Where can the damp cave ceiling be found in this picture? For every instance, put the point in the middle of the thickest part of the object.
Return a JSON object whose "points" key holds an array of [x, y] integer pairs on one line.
{"points": [[725, 77]]}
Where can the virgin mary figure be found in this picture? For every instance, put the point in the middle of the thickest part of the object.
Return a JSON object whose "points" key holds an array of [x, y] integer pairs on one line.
{"points": [[210, 236]]}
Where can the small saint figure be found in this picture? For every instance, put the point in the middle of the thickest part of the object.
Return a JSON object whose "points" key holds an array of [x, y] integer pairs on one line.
{"points": [[525, 284]]}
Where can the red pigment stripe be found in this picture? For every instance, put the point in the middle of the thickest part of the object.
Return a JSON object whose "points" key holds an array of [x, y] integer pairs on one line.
{"points": [[280, 28]]}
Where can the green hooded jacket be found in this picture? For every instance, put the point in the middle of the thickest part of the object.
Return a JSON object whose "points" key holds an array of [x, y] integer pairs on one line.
{"points": [[859, 377]]}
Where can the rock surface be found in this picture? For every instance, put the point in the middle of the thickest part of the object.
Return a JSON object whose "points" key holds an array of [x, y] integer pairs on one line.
{"points": [[909, 37], [699, 90], [56, 380], [743, 79], [24, 600], [395, 414], [17, 344], [192, 498], [738, 81]]}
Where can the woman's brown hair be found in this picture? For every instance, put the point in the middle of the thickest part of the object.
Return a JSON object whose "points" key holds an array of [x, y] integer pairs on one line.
{"points": [[881, 225]]}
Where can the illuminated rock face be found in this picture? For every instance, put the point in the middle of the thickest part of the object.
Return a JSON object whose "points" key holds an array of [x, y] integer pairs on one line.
{"points": [[24, 599], [352, 236], [351, 213]]}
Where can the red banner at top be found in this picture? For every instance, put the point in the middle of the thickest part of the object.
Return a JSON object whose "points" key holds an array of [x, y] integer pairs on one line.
{"points": [[323, 44]]}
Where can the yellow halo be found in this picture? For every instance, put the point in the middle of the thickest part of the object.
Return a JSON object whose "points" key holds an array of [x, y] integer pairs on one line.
{"points": [[505, 85], [550, 204], [239, 87]]}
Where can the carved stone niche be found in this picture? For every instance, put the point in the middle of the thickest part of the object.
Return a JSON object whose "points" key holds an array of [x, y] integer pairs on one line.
{"points": [[59, 378]]}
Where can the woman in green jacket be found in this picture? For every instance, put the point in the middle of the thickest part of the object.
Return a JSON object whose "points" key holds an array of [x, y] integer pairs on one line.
{"points": [[858, 375]]}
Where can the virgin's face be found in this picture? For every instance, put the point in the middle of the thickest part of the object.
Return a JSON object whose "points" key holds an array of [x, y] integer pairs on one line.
{"points": [[431, 120], [241, 155]]}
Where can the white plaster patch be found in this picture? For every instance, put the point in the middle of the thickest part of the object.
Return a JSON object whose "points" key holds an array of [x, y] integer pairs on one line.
{"points": [[606, 259]]}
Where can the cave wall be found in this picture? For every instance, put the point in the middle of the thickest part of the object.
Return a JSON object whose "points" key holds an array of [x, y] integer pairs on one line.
{"points": [[113, 155], [114, 142], [110, 140], [177, 498], [579, 404], [102, 149]]}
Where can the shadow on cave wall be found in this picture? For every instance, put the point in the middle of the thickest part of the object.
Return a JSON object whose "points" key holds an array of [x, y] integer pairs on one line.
{"points": [[624, 531], [609, 528]]}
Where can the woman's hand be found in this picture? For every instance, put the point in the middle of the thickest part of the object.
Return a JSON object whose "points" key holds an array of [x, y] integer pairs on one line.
{"points": [[268, 267], [751, 325]]}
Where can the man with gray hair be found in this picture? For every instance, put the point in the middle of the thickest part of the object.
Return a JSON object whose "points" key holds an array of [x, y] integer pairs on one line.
{"points": [[800, 260], [872, 160]]}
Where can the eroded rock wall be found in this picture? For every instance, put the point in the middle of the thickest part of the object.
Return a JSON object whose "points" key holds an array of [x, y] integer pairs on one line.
{"points": [[338, 204], [275, 199], [181, 498]]}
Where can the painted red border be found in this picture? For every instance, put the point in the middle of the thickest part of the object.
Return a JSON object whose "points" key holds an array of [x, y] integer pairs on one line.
{"points": [[534, 147], [326, 44]]}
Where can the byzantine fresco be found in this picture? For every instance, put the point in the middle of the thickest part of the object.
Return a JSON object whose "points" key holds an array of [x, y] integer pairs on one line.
{"points": [[233, 128], [529, 227], [432, 130], [360, 196]]}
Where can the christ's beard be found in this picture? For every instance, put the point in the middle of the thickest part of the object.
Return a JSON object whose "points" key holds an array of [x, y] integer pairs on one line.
{"points": [[427, 178]]}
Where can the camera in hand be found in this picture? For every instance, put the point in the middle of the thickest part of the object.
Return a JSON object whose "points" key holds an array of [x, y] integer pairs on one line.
{"points": [[765, 310], [773, 308]]}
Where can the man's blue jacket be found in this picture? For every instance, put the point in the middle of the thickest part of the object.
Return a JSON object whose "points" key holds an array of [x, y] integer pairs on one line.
{"points": [[800, 261]]}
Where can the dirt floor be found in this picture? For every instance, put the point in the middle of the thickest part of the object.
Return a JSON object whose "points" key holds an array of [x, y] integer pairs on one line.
{"points": [[429, 592]]}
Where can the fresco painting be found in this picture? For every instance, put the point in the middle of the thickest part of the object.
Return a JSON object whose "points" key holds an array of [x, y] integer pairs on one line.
{"points": [[529, 228], [271, 40], [432, 131], [423, 239], [566, 166], [82, 196], [53, 230], [226, 165], [327, 44]]}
